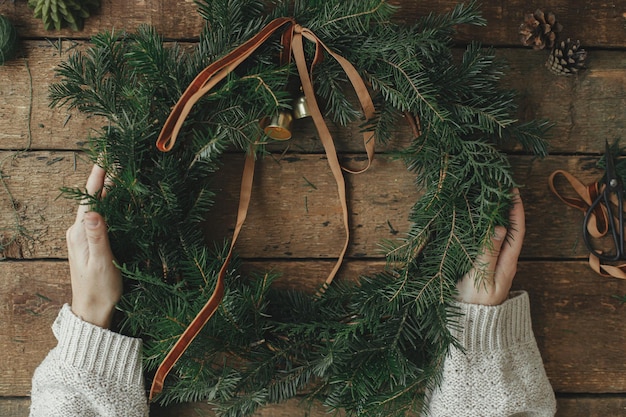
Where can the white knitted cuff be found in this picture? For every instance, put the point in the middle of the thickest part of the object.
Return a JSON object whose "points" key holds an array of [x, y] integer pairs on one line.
{"points": [[487, 328], [94, 349]]}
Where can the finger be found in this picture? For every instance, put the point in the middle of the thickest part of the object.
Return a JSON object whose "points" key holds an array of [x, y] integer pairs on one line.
{"points": [[75, 238], [97, 236], [95, 183], [486, 262], [517, 229], [108, 183]]}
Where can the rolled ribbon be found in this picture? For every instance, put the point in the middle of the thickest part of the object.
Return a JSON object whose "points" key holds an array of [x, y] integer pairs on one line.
{"points": [[598, 225]]}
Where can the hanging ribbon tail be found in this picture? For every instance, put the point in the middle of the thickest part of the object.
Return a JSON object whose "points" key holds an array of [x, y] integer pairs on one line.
{"points": [[211, 306], [362, 93], [297, 49]]}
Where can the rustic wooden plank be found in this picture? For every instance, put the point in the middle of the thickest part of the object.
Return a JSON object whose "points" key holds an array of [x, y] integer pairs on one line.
{"points": [[595, 22], [567, 407], [591, 406], [26, 120], [585, 109], [553, 229], [33, 218], [290, 408], [14, 407], [294, 202], [175, 19], [297, 188], [579, 325], [577, 319], [31, 295]]}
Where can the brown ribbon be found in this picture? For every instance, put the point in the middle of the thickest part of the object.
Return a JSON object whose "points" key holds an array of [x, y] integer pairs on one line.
{"points": [[202, 84], [598, 225]]}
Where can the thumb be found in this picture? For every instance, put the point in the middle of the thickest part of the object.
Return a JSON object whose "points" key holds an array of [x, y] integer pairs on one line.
{"points": [[489, 258], [499, 235], [97, 236]]}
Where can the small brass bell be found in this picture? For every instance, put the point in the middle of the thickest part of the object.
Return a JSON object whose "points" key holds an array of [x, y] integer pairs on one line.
{"points": [[279, 127], [301, 108]]}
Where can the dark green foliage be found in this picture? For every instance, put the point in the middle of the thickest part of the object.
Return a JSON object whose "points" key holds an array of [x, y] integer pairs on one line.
{"points": [[8, 40], [371, 347]]}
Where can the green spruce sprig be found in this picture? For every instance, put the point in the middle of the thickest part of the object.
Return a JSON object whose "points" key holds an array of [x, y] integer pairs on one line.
{"points": [[57, 14], [8, 40], [371, 347]]}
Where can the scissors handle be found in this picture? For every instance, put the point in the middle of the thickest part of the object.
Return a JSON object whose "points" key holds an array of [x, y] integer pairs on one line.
{"points": [[615, 230]]}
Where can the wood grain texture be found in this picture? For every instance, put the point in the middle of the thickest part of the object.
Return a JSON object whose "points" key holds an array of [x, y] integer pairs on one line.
{"points": [[14, 407], [26, 119], [595, 22], [29, 303], [175, 19], [591, 406], [33, 217], [294, 203], [579, 325]]}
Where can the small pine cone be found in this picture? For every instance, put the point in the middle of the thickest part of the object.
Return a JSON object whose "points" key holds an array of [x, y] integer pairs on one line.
{"points": [[540, 29], [566, 58]]}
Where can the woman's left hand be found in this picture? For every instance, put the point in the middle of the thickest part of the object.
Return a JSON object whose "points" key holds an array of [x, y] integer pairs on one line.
{"points": [[96, 281]]}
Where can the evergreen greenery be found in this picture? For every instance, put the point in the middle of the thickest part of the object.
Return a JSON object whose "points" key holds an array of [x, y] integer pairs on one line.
{"points": [[369, 347], [57, 14], [8, 40]]}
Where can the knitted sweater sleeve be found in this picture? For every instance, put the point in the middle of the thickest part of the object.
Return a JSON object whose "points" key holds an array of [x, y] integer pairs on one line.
{"points": [[499, 372], [91, 372]]}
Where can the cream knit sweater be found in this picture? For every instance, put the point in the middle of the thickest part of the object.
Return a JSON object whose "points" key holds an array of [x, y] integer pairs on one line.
{"points": [[500, 372], [97, 373], [92, 372]]}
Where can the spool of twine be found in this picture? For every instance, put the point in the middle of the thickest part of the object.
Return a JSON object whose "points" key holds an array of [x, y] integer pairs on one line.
{"points": [[8, 40]]}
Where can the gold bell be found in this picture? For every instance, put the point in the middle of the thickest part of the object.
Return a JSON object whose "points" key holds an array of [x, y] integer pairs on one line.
{"points": [[279, 127], [301, 108]]}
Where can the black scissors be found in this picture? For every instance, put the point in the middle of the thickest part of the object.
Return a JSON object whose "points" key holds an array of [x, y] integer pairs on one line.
{"points": [[613, 187]]}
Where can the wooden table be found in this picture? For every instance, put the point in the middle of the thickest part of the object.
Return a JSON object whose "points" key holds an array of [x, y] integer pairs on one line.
{"points": [[578, 321]]}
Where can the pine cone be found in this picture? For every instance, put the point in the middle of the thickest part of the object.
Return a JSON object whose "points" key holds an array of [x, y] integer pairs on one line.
{"points": [[540, 30], [566, 58]]}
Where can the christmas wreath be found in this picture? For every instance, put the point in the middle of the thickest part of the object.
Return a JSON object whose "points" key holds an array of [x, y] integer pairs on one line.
{"points": [[370, 346]]}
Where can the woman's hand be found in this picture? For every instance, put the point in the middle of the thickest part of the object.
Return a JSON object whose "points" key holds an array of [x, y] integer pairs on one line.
{"points": [[489, 282], [96, 281]]}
